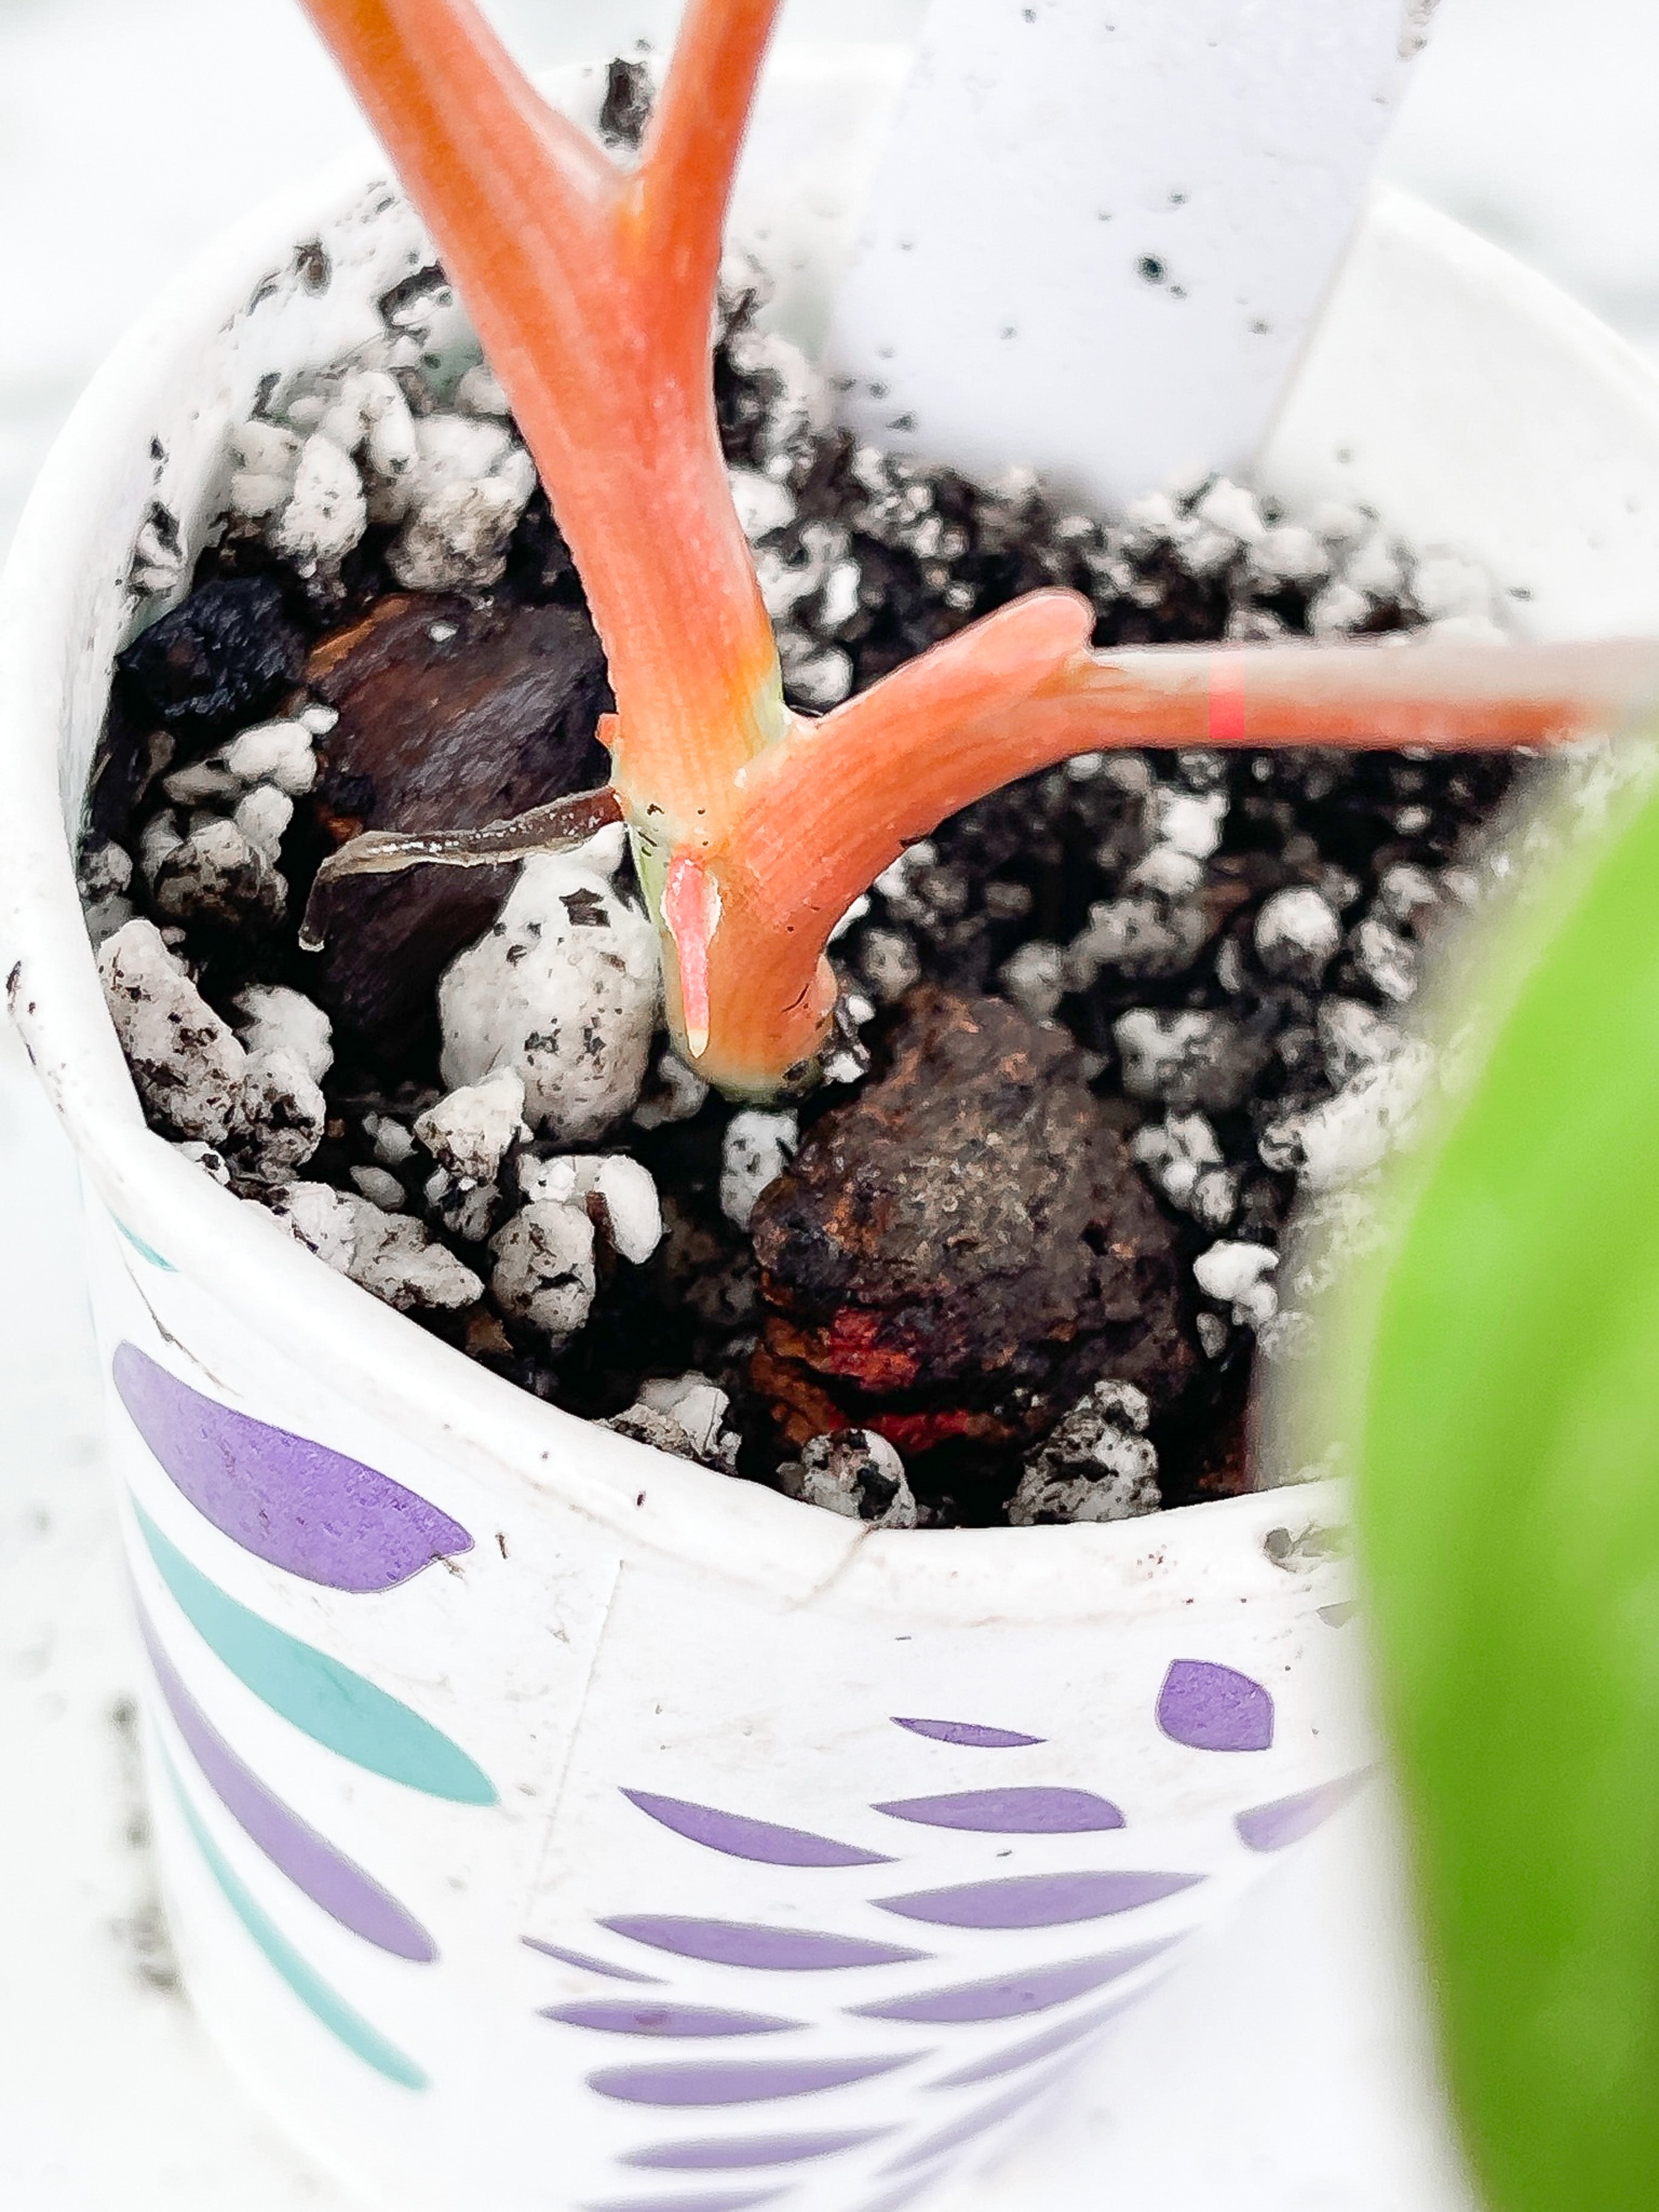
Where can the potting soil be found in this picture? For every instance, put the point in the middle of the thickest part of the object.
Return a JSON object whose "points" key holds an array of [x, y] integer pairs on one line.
{"points": [[1018, 1254]]}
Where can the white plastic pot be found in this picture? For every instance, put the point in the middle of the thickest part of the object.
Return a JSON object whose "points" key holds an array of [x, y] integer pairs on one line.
{"points": [[549, 1824]]}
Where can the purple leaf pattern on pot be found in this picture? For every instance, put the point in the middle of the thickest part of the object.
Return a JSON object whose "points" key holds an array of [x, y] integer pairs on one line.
{"points": [[748, 2201], [1010, 1812], [976, 2124], [295, 1504], [1036, 2048], [589, 1963], [744, 2152], [971, 1735], [908, 2192], [741, 1838], [736, 1943], [1202, 1703], [343, 1891], [1212, 1708], [1012, 1996], [643, 2018], [1037, 1901], [718, 2082], [1273, 1827], [344, 2020]]}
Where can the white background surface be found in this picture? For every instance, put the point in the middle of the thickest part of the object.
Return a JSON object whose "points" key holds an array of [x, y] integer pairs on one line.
{"points": [[1284, 2071]]}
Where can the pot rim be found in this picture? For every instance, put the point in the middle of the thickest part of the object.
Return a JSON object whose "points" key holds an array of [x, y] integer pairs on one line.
{"points": [[371, 1354]]}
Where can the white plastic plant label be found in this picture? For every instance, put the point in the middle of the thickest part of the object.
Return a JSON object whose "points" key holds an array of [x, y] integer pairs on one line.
{"points": [[1102, 228]]}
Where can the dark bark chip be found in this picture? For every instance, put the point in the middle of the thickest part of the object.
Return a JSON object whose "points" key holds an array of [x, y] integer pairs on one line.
{"points": [[451, 715]]}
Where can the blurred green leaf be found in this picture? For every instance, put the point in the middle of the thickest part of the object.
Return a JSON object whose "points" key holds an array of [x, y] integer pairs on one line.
{"points": [[1502, 1360]]}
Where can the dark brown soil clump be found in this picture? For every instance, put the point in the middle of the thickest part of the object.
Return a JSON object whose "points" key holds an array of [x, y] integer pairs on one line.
{"points": [[957, 1251]]}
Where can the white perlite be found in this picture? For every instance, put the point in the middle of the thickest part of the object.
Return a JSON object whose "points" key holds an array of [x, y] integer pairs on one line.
{"points": [[188, 1066], [380, 1187], [470, 483], [762, 505], [1353, 1036], [564, 989], [698, 1407], [393, 1145], [282, 753], [1140, 936], [470, 1131], [1232, 508], [1406, 893], [1289, 554], [1034, 977], [372, 418], [1183, 1155], [1237, 1275], [207, 1158], [1168, 872], [1376, 1110], [326, 515], [1189, 821], [216, 876], [263, 816], [644, 1425], [793, 572], [1385, 958], [854, 1473], [396, 1260], [888, 963], [277, 1019], [480, 392], [470, 1211], [756, 1148], [270, 459], [798, 397], [321, 1218], [105, 877], [1337, 612], [544, 1274], [1098, 1465], [1185, 1059], [279, 1119], [675, 1095], [684, 1415], [159, 839], [1297, 934], [624, 1193]]}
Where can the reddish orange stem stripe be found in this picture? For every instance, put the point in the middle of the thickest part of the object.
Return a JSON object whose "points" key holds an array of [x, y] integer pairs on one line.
{"points": [[1227, 705]]}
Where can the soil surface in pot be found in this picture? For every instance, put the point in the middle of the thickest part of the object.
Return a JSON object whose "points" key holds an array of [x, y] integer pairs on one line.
{"points": [[1017, 1256]]}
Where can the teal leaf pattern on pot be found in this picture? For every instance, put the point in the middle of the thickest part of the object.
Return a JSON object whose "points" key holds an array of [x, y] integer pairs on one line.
{"points": [[144, 1251], [326, 2004], [327, 1701]]}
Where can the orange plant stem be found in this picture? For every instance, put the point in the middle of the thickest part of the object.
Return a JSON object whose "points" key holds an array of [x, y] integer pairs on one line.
{"points": [[592, 291], [827, 812]]}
